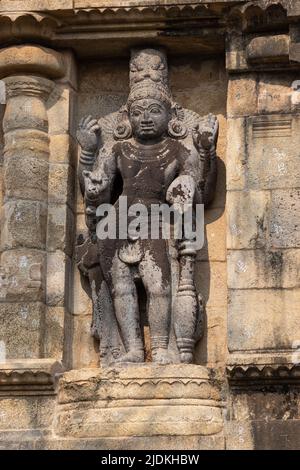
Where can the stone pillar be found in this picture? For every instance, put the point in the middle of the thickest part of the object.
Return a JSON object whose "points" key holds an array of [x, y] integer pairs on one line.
{"points": [[24, 210]]}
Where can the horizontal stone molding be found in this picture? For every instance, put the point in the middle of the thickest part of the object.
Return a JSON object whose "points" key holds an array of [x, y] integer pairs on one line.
{"points": [[146, 400], [262, 370], [28, 86], [148, 382], [29, 376]]}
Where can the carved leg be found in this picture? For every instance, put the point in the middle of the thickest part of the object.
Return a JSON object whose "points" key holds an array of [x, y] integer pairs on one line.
{"points": [[157, 285], [126, 310]]}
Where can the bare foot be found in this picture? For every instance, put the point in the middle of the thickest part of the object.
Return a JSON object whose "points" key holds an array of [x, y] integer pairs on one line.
{"points": [[161, 356], [135, 355], [186, 357]]}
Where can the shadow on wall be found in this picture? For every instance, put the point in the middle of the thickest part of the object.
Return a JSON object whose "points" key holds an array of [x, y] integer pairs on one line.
{"points": [[203, 275]]}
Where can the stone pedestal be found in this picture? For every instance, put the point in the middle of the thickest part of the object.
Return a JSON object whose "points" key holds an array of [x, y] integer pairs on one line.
{"points": [[175, 403]]}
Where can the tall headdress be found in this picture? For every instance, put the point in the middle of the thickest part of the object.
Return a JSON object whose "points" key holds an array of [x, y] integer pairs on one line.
{"points": [[148, 78]]}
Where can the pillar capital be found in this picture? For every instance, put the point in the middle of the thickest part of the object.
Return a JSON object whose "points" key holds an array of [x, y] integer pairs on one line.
{"points": [[32, 60], [25, 85]]}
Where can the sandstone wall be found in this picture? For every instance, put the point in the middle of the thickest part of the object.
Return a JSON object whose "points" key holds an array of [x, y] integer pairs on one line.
{"points": [[238, 60]]}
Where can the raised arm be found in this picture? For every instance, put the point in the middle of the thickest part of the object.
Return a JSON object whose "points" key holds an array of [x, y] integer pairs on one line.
{"points": [[88, 137]]}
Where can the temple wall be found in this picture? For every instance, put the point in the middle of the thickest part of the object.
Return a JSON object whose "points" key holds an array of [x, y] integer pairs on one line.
{"points": [[237, 60]]}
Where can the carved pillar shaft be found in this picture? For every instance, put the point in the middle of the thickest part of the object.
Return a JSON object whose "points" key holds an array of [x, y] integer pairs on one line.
{"points": [[25, 202]]}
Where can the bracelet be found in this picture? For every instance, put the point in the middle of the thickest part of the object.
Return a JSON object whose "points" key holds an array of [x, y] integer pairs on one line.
{"points": [[86, 157]]}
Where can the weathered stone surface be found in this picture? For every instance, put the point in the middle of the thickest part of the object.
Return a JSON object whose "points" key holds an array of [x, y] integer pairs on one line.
{"points": [[25, 107], [212, 349], [27, 143], [61, 111], [36, 5], [80, 303], [260, 269], [38, 441], [247, 219], [61, 184], [214, 248], [268, 49], [20, 327], [26, 178], [238, 435], [84, 348], [23, 224], [261, 319], [25, 413], [150, 385], [54, 332], [242, 95], [274, 94], [211, 282], [62, 149], [272, 160], [284, 219], [60, 228], [31, 59], [58, 271], [22, 275], [236, 154]]}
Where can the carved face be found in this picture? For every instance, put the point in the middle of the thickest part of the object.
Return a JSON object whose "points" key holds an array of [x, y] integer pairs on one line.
{"points": [[148, 64], [149, 119]]}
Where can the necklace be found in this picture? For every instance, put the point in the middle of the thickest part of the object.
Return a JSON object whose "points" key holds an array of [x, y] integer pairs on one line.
{"points": [[146, 153]]}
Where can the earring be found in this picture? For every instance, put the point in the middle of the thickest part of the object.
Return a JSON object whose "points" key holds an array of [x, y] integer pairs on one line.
{"points": [[176, 129], [123, 128]]}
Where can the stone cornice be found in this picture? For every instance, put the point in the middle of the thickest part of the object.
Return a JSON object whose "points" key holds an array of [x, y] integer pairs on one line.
{"points": [[264, 370], [29, 377], [193, 27]]}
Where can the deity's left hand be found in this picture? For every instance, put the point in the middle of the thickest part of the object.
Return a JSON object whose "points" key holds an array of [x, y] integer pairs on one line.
{"points": [[205, 133]]}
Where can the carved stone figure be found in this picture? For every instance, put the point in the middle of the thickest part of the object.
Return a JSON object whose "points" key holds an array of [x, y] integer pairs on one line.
{"points": [[152, 151]]}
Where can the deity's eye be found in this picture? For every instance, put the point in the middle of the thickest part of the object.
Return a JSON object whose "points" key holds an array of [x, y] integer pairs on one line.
{"points": [[135, 112], [155, 110]]}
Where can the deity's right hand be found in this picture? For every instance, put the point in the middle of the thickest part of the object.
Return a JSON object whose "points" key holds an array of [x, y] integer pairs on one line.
{"points": [[88, 134]]}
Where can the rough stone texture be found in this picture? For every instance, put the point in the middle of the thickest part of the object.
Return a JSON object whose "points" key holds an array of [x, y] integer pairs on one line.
{"points": [[262, 166], [264, 420], [62, 149], [261, 269], [58, 269], [263, 319], [23, 224], [268, 49], [22, 275], [33, 59], [284, 219], [247, 219], [272, 160], [84, 349], [20, 326], [127, 401], [62, 111], [25, 413], [54, 332], [242, 96], [60, 228], [26, 178], [237, 154]]}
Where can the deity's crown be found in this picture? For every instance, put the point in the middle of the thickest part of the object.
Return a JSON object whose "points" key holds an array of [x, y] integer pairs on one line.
{"points": [[149, 76], [148, 64], [149, 89]]}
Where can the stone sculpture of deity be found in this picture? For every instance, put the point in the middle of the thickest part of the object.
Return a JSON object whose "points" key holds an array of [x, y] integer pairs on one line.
{"points": [[152, 151]]}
